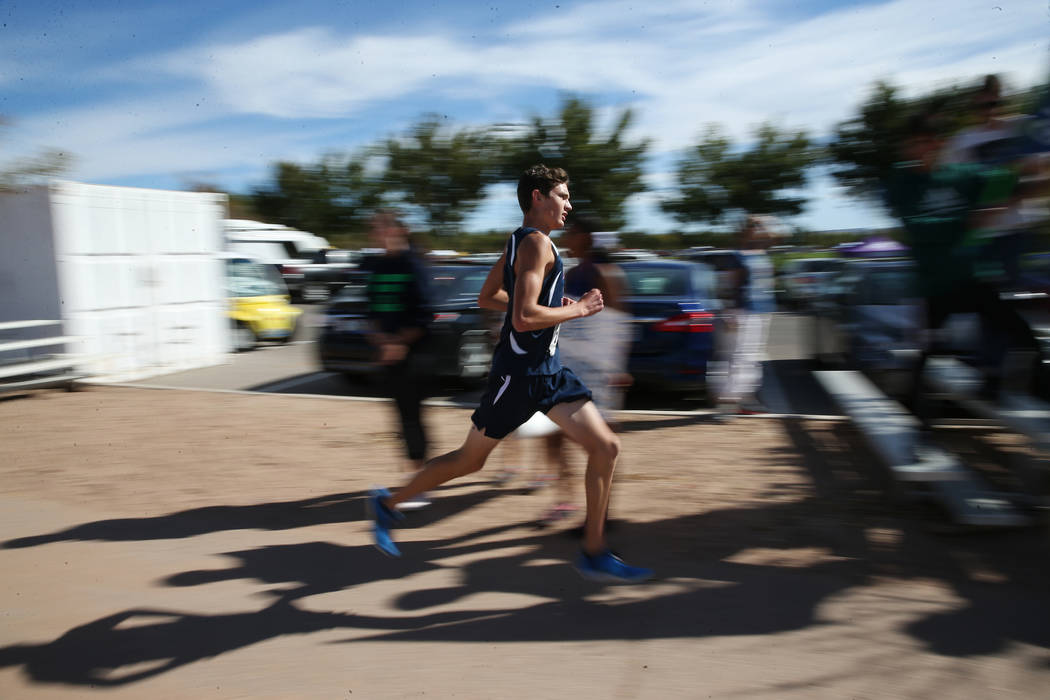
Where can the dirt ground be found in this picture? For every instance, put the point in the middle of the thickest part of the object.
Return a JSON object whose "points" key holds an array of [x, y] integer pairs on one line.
{"points": [[178, 544]]}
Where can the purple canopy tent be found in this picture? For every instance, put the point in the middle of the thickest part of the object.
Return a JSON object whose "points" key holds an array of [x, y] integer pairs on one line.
{"points": [[876, 247]]}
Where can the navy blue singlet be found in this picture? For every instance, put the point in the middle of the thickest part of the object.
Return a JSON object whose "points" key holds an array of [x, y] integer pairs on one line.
{"points": [[531, 352]]}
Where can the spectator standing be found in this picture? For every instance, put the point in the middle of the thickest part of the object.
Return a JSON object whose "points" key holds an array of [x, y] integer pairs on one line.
{"points": [[751, 307], [398, 314]]}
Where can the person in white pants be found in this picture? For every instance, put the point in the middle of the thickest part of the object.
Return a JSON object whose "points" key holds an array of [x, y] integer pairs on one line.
{"points": [[754, 305]]}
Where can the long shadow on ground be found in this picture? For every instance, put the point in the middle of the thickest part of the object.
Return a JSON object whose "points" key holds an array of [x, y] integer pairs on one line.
{"points": [[708, 585], [282, 515]]}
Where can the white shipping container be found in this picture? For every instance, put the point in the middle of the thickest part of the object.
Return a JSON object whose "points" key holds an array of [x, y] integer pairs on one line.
{"points": [[134, 272]]}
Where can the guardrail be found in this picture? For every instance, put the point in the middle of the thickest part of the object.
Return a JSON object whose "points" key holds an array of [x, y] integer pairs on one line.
{"points": [[20, 368]]}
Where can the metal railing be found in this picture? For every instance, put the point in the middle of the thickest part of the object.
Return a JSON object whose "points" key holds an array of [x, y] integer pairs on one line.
{"points": [[23, 366]]}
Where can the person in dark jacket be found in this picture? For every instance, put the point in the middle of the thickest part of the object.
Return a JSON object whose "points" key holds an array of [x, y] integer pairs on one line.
{"points": [[399, 315]]}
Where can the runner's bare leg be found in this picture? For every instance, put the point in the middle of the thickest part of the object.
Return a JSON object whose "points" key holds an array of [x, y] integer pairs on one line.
{"points": [[469, 458], [582, 423]]}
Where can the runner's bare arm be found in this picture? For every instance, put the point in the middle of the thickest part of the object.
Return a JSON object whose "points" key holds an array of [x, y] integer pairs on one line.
{"points": [[492, 295], [534, 256], [613, 285]]}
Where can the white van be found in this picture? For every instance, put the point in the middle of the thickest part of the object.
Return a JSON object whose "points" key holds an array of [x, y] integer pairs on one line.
{"points": [[286, 248]]}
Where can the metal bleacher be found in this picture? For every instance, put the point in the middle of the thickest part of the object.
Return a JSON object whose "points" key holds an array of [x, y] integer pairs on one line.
{"points": [[23, 366], [1019, 412], [1016, 410], [894, 435]]}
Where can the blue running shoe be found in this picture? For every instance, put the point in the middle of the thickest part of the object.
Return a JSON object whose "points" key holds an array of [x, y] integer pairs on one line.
{"points": [[610, 568], [383, 519]]}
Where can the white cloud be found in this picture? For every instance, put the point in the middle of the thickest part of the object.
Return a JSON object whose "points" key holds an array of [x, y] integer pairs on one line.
{"points": [[316, 73], [814, 73], [146, 136], [627, 19], [685, 64], [679, 64]]}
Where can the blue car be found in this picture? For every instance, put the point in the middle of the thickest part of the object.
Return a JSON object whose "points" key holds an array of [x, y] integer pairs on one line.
{"points": [[675, 313]]}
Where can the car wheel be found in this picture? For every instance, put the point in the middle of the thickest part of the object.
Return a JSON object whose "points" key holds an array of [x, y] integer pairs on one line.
{"points": [[243, 337]]}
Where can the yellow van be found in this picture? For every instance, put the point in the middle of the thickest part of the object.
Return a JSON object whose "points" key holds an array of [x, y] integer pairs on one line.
{"points": [[259, 304]]}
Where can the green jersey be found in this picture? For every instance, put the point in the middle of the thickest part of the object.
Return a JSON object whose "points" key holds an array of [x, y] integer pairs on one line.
{"points": [[936, 209]]}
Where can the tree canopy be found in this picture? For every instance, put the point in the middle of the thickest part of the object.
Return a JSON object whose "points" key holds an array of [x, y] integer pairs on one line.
{"points": [[716, 181], [439, 172], [605, 170], [332, 197]]}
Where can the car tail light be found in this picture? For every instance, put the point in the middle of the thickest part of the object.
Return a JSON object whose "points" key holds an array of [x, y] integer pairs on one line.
{"points": [[446, 317], [688, 322], [289, 270]]}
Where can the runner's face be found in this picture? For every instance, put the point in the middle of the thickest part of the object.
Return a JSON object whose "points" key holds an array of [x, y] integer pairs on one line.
{"points": [[555, 206]]}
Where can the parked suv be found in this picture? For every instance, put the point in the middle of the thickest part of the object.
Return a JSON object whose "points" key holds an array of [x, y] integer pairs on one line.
{"points": [[461, 334]]}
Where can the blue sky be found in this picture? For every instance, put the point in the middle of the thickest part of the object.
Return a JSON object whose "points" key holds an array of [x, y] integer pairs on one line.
{"points": [[162, 94]]}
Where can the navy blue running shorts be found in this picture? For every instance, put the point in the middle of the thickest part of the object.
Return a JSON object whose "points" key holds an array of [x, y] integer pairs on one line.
{"points": [[510, 401]]}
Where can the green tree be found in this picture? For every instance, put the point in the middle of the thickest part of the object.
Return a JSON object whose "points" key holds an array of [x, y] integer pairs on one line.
{"points": [[604, 169], [439, 172], [717, 182], [333, 197]]}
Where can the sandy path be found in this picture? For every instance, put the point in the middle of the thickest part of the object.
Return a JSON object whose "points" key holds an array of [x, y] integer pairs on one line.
{"points": [[188, 544]]}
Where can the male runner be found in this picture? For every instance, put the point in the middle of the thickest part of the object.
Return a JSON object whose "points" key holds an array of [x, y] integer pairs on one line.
{"points": [[527, 376]]}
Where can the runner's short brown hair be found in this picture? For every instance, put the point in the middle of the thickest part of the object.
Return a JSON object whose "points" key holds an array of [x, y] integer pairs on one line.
{"points": [[538, 177]]}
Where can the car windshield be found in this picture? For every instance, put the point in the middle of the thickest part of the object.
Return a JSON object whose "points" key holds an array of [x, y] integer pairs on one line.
{"points": [[450, 282], [251, 279], [658, 281]]}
